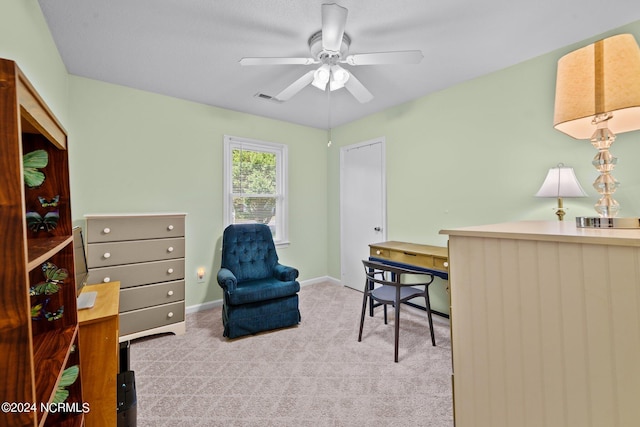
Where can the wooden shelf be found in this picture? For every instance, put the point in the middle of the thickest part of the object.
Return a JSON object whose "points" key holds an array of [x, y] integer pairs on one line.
{"points": [[41, 250], [75, 398], [50, 354], [34, 111]]}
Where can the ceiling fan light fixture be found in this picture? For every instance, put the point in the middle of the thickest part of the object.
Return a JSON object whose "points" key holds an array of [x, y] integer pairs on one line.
{"points": [[321, 77], [339, 76], [329, 47]]}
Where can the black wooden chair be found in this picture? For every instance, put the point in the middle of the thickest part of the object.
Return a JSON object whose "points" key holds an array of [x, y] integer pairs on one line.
{"points": [[394, 292]]}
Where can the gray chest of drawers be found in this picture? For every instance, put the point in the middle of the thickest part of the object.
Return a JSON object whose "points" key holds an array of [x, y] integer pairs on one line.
{"points": [[145, 253]]}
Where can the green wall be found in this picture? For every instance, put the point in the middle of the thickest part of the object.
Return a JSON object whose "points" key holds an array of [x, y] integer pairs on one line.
{"points": [[141, 152], [25, 38], [476, 153], [134, 151], [471, 154]]}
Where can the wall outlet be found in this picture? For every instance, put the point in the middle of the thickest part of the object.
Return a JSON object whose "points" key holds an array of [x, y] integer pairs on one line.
{"points": [[201, 274]]}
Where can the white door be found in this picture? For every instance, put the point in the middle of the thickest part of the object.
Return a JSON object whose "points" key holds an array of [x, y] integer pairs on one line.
{"points": [[362, 206]]}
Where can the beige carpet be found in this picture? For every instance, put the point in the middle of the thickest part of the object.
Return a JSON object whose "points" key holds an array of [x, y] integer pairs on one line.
{"points": [[315, 374]]}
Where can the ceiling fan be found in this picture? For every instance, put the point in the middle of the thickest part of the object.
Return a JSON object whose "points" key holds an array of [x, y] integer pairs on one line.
{"points": [[329, 47]]}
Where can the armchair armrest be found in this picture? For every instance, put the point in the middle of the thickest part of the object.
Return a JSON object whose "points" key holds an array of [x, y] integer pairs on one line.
{"points": [[285, 273], [227, 280]]}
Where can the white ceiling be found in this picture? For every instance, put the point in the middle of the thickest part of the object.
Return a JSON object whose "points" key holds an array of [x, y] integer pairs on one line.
{"points": [[190, 49]]}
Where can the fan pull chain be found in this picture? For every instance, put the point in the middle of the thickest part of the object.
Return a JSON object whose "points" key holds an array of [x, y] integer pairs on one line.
{"points": [[329, 116]]}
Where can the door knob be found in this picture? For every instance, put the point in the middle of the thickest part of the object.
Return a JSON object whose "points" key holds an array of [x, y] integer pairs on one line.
{"points": [[378, 229]]}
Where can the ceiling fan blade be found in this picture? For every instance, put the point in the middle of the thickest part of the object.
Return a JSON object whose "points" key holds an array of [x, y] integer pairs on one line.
{"points": [[295, 87], [277, 61], [334, 19], [358, 90], [399, 57]]}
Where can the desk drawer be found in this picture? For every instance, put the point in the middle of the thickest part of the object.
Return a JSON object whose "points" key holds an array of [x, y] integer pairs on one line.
{"points": [[116, 253], [440, 264], [379, 253], [413, 259], [111, 229], [150, 295], [152, 317], [139, 274]]}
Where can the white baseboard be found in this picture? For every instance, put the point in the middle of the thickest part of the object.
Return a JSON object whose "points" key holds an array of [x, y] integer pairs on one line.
{"points": [[320, 280], [203, 306], [218, 303]]}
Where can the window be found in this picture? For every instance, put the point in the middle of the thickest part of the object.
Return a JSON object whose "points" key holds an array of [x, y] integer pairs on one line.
{"points": [[255, 184]]}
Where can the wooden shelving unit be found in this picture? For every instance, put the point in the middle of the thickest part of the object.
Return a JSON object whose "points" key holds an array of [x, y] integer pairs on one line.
{"points": [[39, 333]]}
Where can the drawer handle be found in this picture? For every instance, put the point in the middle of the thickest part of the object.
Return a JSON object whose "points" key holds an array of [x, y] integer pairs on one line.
{"points": [[408, 254], [170, 227], [446, 264], [106, 255], [106, 280], [107, 230], [170, 314], [170, 293], [378, 252], [169, 271], [170, 249]]}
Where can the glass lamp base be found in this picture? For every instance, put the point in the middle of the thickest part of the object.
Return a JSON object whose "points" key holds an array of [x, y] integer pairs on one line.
{"points": [[598, 222]]}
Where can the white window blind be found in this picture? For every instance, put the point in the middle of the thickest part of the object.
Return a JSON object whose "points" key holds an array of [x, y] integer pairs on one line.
{"points": [[255, 184]]}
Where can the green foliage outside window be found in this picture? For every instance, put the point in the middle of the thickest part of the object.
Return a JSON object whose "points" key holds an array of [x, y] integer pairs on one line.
{"points": [[254, 177]]}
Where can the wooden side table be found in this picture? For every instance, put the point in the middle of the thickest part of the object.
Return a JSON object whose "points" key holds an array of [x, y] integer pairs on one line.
{"points": [[99, 354]]}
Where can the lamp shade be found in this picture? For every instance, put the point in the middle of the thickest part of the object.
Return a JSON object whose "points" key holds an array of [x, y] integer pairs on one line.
{"points": [[339, 76], [321, 77], [603, 77], [561, 181]]}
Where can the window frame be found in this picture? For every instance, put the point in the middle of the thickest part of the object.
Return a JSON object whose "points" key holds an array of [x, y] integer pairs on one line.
{"points": [[282, 200]]}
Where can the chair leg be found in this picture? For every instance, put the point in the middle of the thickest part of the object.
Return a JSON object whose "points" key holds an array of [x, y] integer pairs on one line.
{"points": [[370, 286], [385, 314], [397, 332], [396, 307], [371, 302], [428, 304], [364, 309]]}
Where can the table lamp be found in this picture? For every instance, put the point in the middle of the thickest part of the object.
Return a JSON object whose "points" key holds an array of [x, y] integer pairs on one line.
{"points": [[561, 182], [597, 96]]}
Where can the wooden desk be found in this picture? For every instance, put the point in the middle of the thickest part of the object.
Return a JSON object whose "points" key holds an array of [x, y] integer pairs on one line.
{"points": [[424, 258], [98, 339], [432, 259]]}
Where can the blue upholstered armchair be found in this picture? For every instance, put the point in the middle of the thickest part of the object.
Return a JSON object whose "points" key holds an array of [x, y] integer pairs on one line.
{"points": [[259, 293]]}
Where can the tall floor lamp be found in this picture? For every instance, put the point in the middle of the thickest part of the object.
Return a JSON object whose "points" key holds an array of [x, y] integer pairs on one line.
{"points": [[597, 96]]}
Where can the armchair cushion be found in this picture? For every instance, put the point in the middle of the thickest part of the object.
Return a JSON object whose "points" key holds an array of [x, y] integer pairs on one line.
{"points": [[262, 290]]}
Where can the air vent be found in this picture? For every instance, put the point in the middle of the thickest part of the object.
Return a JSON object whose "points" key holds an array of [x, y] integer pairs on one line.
{"points": [[267, 97]]}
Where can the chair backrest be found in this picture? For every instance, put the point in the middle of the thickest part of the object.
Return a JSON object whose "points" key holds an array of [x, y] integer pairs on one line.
{"points": [[378, 272], [248, 251]]}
